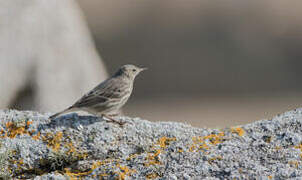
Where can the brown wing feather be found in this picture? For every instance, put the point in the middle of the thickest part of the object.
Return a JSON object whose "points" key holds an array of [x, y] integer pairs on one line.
{"points": [[108, 90]]}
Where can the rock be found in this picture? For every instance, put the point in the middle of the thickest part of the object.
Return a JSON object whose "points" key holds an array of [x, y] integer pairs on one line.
{"points": [[32, 146], [45, 49]]}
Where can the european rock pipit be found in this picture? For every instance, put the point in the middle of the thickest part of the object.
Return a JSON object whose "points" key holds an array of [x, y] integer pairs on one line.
{"points": [[109, 96]]}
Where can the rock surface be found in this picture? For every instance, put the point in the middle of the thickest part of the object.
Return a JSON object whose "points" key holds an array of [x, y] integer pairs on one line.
{"points": [[86, 147]]}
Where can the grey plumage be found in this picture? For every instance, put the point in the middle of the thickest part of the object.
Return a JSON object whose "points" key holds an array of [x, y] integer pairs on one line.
{"points": [[109, 96]]}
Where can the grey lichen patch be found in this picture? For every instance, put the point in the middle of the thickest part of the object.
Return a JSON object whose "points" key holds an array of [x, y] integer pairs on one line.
{"points": [[4, 170], [86, 147]]}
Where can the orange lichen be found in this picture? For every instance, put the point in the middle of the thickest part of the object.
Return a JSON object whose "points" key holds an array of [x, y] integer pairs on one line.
{"points": [[238, 130], [203, 142], [153, 158], [72, 151], [36, 137], [214, 158], [192, 148], [124, 171], [131, 157], [98, 164], [270, 177], [13, 130], [164, 141], [203, 146], [53, 141], [76, 175], [19, 163], [3, 133], [70, 147], [180, 150], [294, 163], [151, 176], [28, 123], [300, 148], [277, 148], [214, 138]]}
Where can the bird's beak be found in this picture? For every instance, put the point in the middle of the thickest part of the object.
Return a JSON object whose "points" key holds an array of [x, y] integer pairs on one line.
{"points": [[143, 69]]}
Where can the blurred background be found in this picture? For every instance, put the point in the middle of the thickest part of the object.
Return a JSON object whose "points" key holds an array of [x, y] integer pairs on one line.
{"points": [[211, 63]]}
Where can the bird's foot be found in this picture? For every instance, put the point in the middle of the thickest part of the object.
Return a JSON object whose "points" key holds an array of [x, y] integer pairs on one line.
{"points": [[111, 120]]}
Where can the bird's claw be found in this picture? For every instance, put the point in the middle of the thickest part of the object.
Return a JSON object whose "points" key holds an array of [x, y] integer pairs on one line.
{"points": [[121, 123], [111, 120]]}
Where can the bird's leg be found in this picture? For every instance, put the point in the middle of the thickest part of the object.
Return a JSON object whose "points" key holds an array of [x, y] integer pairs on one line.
{"points": [[113, 120], [113, 115]]}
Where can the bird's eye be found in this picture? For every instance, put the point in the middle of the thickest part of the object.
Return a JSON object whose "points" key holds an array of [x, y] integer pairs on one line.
{"points": [[134, 70]]}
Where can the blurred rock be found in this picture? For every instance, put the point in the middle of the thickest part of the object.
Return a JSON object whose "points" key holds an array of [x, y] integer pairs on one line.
{"points": [[86, 147], [46, 52]]}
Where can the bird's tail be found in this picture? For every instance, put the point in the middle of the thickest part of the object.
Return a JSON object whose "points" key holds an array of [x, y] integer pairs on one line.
{"points": [[61, 112]]}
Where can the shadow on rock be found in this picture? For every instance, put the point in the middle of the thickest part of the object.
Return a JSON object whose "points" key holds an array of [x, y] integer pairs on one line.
{"points": [[73, 120]]}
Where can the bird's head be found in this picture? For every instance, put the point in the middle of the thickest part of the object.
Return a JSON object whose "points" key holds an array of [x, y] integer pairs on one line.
{"points": [[129, 71]]}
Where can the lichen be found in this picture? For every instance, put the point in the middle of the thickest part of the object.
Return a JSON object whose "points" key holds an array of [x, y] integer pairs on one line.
{"points": [[164, 141], [12, 129], [4, 169], [152, 175], [205, 142], [300, 148], [124, 171], [238, 130], [53, 140], [153, 158]]}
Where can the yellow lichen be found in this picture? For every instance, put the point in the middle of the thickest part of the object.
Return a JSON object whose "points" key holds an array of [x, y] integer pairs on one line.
{"points": [[13, 130], [151, 176], [36, 137], [131, 157], [153, 158], [28, 123], [238, 130], [203, 142], [300, 148], [192, 148], [211, 160], [76, 175], [124, 171], [19, 163], [164, 141], [71, 148], [180, 150], [98, 164], [53, 141], [294, 163]]}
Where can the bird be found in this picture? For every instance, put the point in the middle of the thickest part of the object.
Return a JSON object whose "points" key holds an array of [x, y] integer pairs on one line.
{"points": [[109, 96]]}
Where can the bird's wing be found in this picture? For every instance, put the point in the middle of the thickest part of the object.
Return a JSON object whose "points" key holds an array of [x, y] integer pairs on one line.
{"points": [[105, 91]]}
